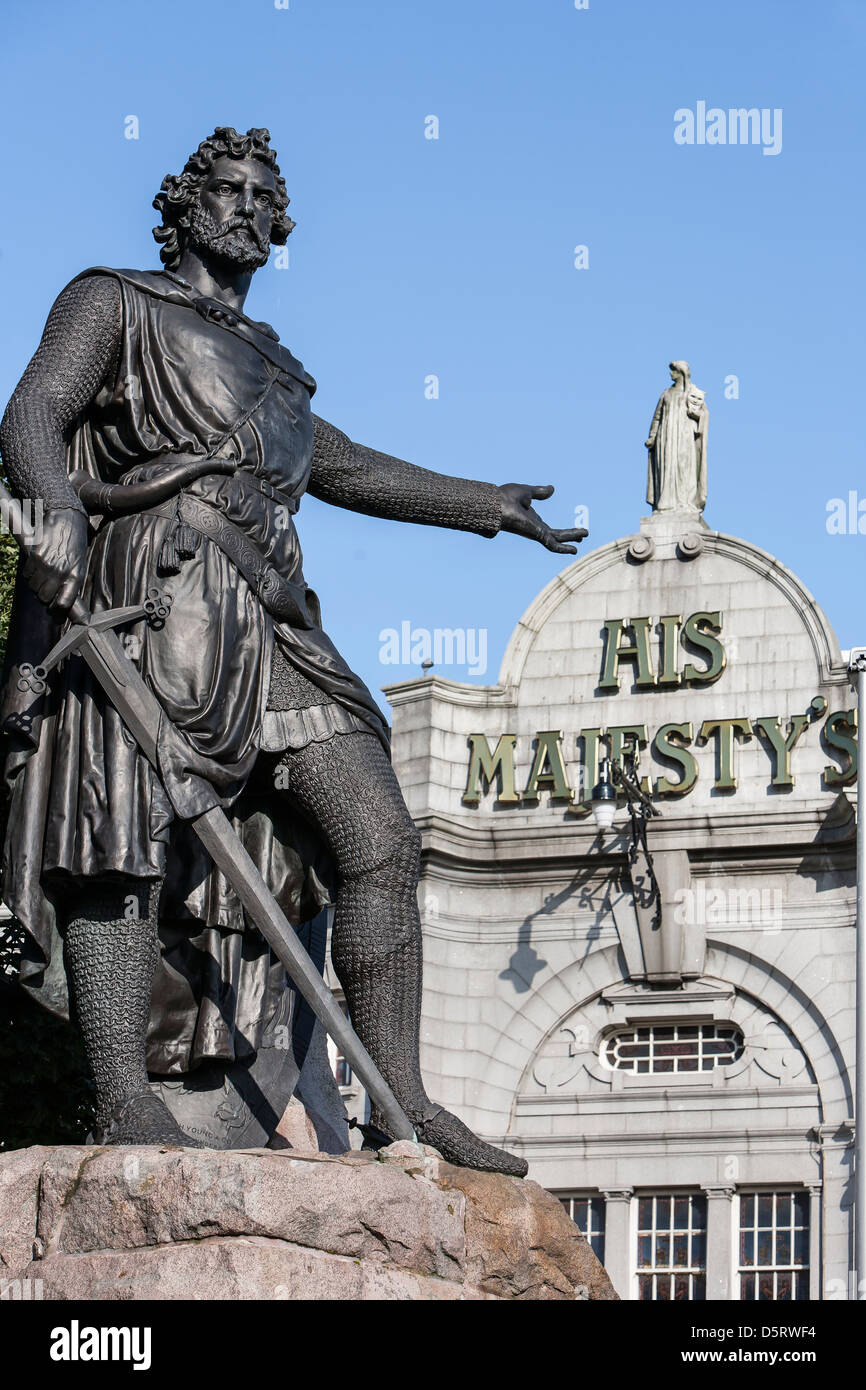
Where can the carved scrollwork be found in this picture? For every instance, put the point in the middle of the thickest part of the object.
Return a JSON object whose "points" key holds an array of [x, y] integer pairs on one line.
{"points": [[641, 548], [690, 546]]}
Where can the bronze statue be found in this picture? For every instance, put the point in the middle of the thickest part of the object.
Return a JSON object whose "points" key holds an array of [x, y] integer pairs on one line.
{"points": [[171, 441]]}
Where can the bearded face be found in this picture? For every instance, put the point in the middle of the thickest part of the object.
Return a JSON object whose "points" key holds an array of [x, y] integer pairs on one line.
{"points": [[236, 243], [230, 221]]}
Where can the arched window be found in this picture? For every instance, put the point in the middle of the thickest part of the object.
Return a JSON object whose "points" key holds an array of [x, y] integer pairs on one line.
{"points": [[672, 1047]]}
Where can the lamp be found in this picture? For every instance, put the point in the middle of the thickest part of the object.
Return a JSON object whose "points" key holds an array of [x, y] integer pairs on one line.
{"points": [[622, 777], [604, 797]]}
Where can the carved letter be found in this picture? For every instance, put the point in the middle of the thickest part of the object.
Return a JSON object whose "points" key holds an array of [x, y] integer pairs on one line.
{"points": [[725, 729], [638, 652], [548, 769], [498, 764], [664, 748], [694, 633]]}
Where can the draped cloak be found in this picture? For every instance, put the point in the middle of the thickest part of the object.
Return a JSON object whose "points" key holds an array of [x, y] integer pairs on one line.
{"points": [[83, 801], [677, 460]]}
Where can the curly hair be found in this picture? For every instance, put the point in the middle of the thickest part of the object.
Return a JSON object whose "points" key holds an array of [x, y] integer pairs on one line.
{"points": [[178, 191]]}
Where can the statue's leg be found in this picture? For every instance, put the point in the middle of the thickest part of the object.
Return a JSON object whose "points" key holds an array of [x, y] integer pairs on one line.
{"points": [[111, 954], [347, 788]]}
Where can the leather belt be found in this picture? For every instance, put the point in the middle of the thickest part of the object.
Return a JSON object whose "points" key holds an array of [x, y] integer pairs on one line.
{"points": [[281, 598]]}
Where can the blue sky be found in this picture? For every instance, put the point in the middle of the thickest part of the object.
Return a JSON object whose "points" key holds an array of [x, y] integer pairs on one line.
{"points": [[455, 256]]}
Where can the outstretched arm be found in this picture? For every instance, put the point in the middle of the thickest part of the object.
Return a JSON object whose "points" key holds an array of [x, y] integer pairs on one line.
{"points": [[363, 480], [78, 352]]}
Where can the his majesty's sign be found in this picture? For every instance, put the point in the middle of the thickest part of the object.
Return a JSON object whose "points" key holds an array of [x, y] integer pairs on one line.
{"points": [[669, 653]]}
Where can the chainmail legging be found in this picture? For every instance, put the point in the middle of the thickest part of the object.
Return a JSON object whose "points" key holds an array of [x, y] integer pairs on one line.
{"points": [[347, 788], [112, 950]]}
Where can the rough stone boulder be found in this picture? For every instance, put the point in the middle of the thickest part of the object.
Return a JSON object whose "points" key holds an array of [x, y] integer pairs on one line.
{"points": [[168, 1223]]}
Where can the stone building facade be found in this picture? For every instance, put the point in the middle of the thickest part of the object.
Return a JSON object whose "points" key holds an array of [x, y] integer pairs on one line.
{"points": [[685, 1085]]}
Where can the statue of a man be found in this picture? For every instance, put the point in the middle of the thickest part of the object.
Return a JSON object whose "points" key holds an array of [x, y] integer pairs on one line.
{"points": [[136, 372], [677, 444]]}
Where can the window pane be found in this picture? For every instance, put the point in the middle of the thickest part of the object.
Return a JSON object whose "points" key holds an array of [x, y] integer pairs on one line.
{"points": [[579, 1213], [776, 1246], [801, 1208], [674, 1248], [699, 1288], [747, 1287], [645, 1286], [672, 1049]]}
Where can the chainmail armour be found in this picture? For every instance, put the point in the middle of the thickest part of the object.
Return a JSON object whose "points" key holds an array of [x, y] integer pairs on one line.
{"points": [[78, 352], [344, 784], [112, 950], [348, 474], [289, 688]]}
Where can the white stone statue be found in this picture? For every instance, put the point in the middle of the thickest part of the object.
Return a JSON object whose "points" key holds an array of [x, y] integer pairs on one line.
{"points": [[677, 444]]}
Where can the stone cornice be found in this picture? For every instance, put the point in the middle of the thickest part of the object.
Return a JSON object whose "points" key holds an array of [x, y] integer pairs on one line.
{"points": [[768, 840]]}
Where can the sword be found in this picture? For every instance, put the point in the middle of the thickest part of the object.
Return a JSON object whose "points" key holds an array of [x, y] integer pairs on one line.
{"points": [[91, 635]]}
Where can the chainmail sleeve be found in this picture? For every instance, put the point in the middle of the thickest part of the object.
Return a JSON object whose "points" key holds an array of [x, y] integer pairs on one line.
{"points": [[363, 480], [78, 352]]}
